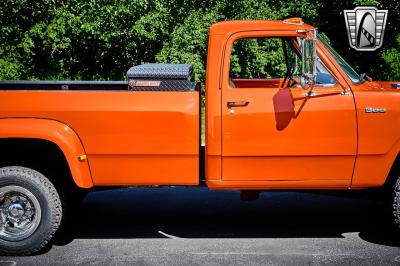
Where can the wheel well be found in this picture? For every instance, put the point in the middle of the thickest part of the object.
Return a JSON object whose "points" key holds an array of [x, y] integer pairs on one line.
{"points": [[393, 173], [41, 155]]}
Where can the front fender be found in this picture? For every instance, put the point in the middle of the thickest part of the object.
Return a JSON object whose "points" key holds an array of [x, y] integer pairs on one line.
{"points": [[56, 132], [372, 170]]}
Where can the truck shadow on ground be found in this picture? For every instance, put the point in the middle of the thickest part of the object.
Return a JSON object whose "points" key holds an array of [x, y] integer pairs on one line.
{"points": [[200, 213]]}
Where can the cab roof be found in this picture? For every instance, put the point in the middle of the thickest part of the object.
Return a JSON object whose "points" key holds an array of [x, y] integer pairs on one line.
{"points": [[229, 26]]}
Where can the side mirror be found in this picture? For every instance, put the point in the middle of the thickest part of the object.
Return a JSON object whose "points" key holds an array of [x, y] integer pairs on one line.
{"points": [[308, 61]]}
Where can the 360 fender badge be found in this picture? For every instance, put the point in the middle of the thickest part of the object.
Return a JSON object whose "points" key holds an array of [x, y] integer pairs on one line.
{"points": [[375, 110]]}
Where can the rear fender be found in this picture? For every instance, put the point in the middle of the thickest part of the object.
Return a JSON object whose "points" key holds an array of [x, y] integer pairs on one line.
{"points": [[56, 132]]}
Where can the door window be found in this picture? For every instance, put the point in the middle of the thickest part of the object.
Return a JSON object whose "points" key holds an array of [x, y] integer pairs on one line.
{"points": [[270, 63]]}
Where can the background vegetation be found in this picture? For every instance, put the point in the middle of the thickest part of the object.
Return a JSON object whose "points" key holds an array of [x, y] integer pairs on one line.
{"points": [[101, 39]]}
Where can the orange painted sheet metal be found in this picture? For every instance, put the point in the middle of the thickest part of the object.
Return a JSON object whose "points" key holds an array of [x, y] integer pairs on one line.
{"points": [[146, 169], [378, 132], [379, 141], [282, 135], [316, 140], [287, 168], [59, 134], [378, 138], [126, 124], [213, 107], [372, 170], [313, 126], [228, 27]]}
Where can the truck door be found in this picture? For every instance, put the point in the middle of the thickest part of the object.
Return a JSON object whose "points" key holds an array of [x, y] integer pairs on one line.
{"points": [[281, 134]]}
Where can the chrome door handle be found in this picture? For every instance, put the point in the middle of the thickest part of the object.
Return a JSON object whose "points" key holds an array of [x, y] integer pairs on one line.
{"points": [[238, 104]]}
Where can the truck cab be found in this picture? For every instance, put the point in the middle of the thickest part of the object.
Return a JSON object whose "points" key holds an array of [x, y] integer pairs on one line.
{"points": [[272, 133]]}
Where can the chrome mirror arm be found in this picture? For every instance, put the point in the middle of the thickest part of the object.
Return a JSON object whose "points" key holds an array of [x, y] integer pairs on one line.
{"points": [[345, 90]]}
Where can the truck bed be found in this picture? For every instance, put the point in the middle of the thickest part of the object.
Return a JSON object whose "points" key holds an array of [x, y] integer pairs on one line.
{"points": [[130, 137]]}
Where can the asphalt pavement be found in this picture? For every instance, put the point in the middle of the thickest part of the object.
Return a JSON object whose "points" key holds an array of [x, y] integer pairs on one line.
{"points": [[195, 226]]}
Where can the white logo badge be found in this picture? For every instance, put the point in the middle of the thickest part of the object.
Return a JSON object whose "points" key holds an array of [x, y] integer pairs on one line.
{"points": [[365, 27]]}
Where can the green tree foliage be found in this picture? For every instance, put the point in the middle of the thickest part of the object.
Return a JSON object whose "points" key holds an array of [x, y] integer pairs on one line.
{"points": [[258, 58], [188, 42], [94, 39], [101, 39], [391, 57]]}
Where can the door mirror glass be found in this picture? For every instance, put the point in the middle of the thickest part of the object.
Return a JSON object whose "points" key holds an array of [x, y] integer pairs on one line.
{"points": [[309, 61]]}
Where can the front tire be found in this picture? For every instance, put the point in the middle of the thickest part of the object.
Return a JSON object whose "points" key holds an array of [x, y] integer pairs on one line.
{"points": [[30, 211], [396, 204]]}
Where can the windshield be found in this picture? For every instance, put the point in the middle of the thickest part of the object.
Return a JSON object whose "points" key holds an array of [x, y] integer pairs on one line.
{"points": [[350, 72]]}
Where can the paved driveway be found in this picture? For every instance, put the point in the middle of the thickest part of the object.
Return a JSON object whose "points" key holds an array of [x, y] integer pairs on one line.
{"points": [[195, 226]]}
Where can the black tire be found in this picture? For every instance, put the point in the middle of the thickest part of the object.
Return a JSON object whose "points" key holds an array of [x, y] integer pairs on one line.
{"points": [[396, 204], [50, 210]]}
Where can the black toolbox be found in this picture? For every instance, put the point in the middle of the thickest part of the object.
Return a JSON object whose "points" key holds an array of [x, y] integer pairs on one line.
{"points": [[161, 77]]}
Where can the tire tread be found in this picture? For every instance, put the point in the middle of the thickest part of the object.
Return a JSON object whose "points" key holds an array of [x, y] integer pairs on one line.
{"points": [[54, 204]]}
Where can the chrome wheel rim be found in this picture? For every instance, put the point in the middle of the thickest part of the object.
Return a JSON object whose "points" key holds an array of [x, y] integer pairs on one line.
{"points": [[20, 213]]}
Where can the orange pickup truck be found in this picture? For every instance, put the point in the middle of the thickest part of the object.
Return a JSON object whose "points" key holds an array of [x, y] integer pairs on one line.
{"points": [[306, 122]]}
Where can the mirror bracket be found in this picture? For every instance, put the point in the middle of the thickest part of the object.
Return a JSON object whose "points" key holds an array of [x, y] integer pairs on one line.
{"points": [[309, 60], [310, 93], [345, 91]]}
